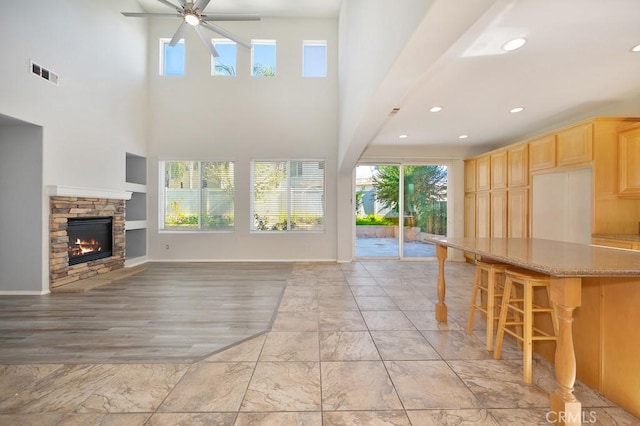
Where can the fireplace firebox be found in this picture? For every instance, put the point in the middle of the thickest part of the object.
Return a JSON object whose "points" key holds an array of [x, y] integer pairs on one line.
{"points": [[89, 239]]}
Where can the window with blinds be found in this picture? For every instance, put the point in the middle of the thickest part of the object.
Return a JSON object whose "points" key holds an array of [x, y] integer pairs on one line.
{"points": [[197, 196], [287, 195]]}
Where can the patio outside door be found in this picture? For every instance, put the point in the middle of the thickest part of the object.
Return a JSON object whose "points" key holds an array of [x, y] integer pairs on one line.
{"points": [[390, 225]]}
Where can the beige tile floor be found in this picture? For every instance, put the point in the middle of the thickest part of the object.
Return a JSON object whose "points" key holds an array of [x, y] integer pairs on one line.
{"points": [[352, 344]]}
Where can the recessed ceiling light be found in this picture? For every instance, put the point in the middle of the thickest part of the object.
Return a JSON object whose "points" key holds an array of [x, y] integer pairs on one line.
{"points": [[435, 109], [463, 136], [514, 44], [403, 136], [517, 109], [636, 48]]}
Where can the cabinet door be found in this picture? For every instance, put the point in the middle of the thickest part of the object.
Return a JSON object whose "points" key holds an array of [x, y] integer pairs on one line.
{"points": [[470, 215], [483, 214], [499, 170], [542, 153], [469, 175], [612, 243], [575, 145], [518, 165], [499, 214], [629, 162], [518, 213], [483, 173]]}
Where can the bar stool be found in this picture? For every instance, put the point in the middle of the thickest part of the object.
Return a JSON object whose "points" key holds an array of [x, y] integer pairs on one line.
{"points": [[523, 311], [492, 290]]}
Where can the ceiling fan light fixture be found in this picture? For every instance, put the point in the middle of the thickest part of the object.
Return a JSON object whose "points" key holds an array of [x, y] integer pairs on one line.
{"points": [[636, 49], [514, 44], [191, 19]]}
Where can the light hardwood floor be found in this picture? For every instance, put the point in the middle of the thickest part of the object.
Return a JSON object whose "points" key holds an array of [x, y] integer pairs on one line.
{"points": [[352, 344]]}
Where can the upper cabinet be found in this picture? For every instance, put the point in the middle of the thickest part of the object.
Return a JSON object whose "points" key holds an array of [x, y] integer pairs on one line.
{"points": [[542, 153], [575, 145], [629, 161], [518, 165], [483, 173], [499, 169], [469, 175], [608, 146]]}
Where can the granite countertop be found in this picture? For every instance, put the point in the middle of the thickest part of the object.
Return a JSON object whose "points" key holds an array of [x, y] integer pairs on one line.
{"points": [[621, 237], [555, 258]]}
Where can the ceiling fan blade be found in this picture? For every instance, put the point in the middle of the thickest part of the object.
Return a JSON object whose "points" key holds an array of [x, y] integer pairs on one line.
{"points": [[231, 17], [219, 30], [201, 4], [207, 42], [168, 3], [151, 15], [178, 35]]}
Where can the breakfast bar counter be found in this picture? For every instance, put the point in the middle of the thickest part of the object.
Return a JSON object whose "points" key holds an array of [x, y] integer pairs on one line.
{"points": [[569, 265]]}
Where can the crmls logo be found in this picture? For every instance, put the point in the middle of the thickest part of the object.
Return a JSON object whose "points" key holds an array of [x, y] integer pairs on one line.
{"points": [[586, 417]]}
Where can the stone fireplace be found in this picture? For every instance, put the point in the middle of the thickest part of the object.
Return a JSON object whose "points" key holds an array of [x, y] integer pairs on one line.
{"points": [[83, 256]]}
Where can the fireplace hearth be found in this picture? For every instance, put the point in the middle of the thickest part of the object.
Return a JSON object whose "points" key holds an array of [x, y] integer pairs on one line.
{"points": [[89, 239]]}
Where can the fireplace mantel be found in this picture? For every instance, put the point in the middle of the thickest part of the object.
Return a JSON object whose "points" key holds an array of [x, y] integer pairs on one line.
{"points": [[73, 191]]}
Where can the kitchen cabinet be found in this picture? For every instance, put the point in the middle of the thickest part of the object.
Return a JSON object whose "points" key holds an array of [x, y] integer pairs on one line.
{"points": [[499, 169], [518, 165], [469, 175], [483, 173], [470, 215], [629, 161], [542, 153], [483, 214], [627, 243], [575, 145], [518, 213], [498, 214]]}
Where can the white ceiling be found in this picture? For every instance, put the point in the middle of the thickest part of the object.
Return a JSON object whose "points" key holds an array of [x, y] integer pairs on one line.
{"points": [[576, 63], [279, 8]]}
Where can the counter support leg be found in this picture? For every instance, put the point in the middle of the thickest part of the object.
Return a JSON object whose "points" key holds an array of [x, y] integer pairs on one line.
{"points": [[566, 295], [441, 307]]}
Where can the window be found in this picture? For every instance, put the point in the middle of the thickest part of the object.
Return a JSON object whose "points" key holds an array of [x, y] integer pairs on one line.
{"points": [[287, 195], [197, 196], [171, 58], [314, 58], [263, 58], [225, 64]]}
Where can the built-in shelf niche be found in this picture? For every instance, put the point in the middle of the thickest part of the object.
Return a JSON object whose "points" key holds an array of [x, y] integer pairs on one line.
{"points": [[136, 209]]}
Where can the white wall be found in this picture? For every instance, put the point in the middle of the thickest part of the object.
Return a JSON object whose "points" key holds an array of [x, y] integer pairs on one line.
{"points": [[99, 109], [372, 35], [200, 117]]}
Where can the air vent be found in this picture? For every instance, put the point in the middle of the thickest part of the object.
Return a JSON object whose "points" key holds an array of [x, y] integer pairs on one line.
{"points": [[45, 73]]}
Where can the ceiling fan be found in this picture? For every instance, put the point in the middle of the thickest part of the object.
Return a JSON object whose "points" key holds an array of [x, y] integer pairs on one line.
{"points": [[191, 13]]}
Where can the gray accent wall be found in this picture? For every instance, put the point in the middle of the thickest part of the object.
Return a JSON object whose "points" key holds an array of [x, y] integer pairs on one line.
{"points": [[21, 209]]}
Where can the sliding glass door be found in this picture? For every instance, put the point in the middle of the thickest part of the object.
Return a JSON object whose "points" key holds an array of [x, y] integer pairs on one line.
{"points": [[391, 225], [425, 208]]}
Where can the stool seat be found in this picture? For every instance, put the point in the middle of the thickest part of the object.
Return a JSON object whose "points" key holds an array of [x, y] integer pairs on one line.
{"points": [[520, 324], [492, 290]]}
